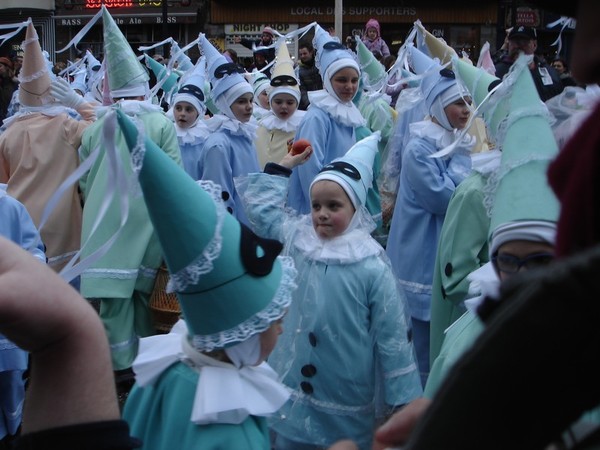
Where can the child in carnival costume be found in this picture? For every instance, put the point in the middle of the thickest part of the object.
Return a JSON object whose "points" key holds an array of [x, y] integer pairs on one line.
{"points": [[38, 151], [331, 121], [278, 127], [349, 308], [229, 151], [205, 384], [426, 185], [188, 114], [260, 83], [123, 278]]}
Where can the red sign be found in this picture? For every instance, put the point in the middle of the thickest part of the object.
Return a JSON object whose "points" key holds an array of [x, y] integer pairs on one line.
{"points": [[96, 4], [527, 17]]}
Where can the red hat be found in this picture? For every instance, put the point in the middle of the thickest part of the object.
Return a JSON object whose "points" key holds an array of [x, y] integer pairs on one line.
{"points": [[268, 30], [7, 62]]}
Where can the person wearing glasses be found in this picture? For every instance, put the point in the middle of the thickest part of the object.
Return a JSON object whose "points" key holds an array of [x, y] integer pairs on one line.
{"points": [[278, 126], [346, 352]]}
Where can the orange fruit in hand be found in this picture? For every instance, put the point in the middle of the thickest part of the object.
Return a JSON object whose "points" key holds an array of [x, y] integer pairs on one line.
{"points": [[299, 146]]}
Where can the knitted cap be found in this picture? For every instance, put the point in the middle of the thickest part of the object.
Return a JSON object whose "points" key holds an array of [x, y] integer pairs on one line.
{"points": [[126, 75], [230, 283], [34, 77], [283, 76]]}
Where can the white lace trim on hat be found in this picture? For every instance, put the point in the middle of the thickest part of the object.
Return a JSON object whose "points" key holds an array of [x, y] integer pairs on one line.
{"points": [[203, 263], [260, 321]]}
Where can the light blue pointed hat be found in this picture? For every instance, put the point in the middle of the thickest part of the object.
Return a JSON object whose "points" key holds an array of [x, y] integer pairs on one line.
{"points": [[230, 283], [436, 79], [183, 61], [353, 171], [221, 73], [126, 75], [528, 146], [331, 55], [192, 87]]}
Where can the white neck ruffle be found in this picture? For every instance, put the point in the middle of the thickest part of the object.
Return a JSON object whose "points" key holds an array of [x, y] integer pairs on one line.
{"points": [[271, 122], [354, 245], [235, 127], [345, 113], [224, 394], [192, 134]]}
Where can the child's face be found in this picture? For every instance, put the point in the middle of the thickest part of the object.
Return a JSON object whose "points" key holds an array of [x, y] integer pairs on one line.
{"points": [[537, 254], [284, 105], [345, 83], [372, 33], [458, 113], [242, 107], [268, 339], [185, 114], [263, 99], [331, 209]]}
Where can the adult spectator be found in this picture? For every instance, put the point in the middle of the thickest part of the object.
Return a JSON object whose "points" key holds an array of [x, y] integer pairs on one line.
{"points": [[308, 74], [524, 39], [563, 72], [7, 85], [266, 39]]}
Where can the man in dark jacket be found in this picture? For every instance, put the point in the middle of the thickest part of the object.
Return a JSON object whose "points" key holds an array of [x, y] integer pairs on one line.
{"points": [[7, 85], [546, 78], [308, 74]]}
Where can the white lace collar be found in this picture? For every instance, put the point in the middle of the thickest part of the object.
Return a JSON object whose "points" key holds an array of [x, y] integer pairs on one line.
{"points": [[432, 132], [130, 107], [235, 127], [271, 122], [191, 134], [51, 110], [259, 112], [354, 245], [224, 394], [344, 113]]}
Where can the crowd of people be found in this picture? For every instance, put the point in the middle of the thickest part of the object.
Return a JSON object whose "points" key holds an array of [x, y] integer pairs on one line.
{"points": [[358, 245]]}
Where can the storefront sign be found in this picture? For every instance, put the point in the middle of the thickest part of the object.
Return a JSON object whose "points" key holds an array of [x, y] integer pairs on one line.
{"points": [[354, 11], [239, 29], [78, 21]]}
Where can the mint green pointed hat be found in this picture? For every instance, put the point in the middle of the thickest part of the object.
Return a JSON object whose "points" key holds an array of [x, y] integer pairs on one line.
{"points": [[230, 283], [126, 75], [480, 83], [160, 72], [523, 195], [373, 73]]}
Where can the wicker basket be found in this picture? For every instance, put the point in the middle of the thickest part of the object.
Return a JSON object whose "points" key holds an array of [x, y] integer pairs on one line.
{"points": [[165, 307]]}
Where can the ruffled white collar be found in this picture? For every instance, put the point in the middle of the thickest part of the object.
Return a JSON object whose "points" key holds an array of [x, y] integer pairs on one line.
{"points": [[354, 245], [271, 122], [259, 112], [344, 113], [192, 134], [224, 394], [235, 127], [130, 107], [51, 110], [432, 132]]}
